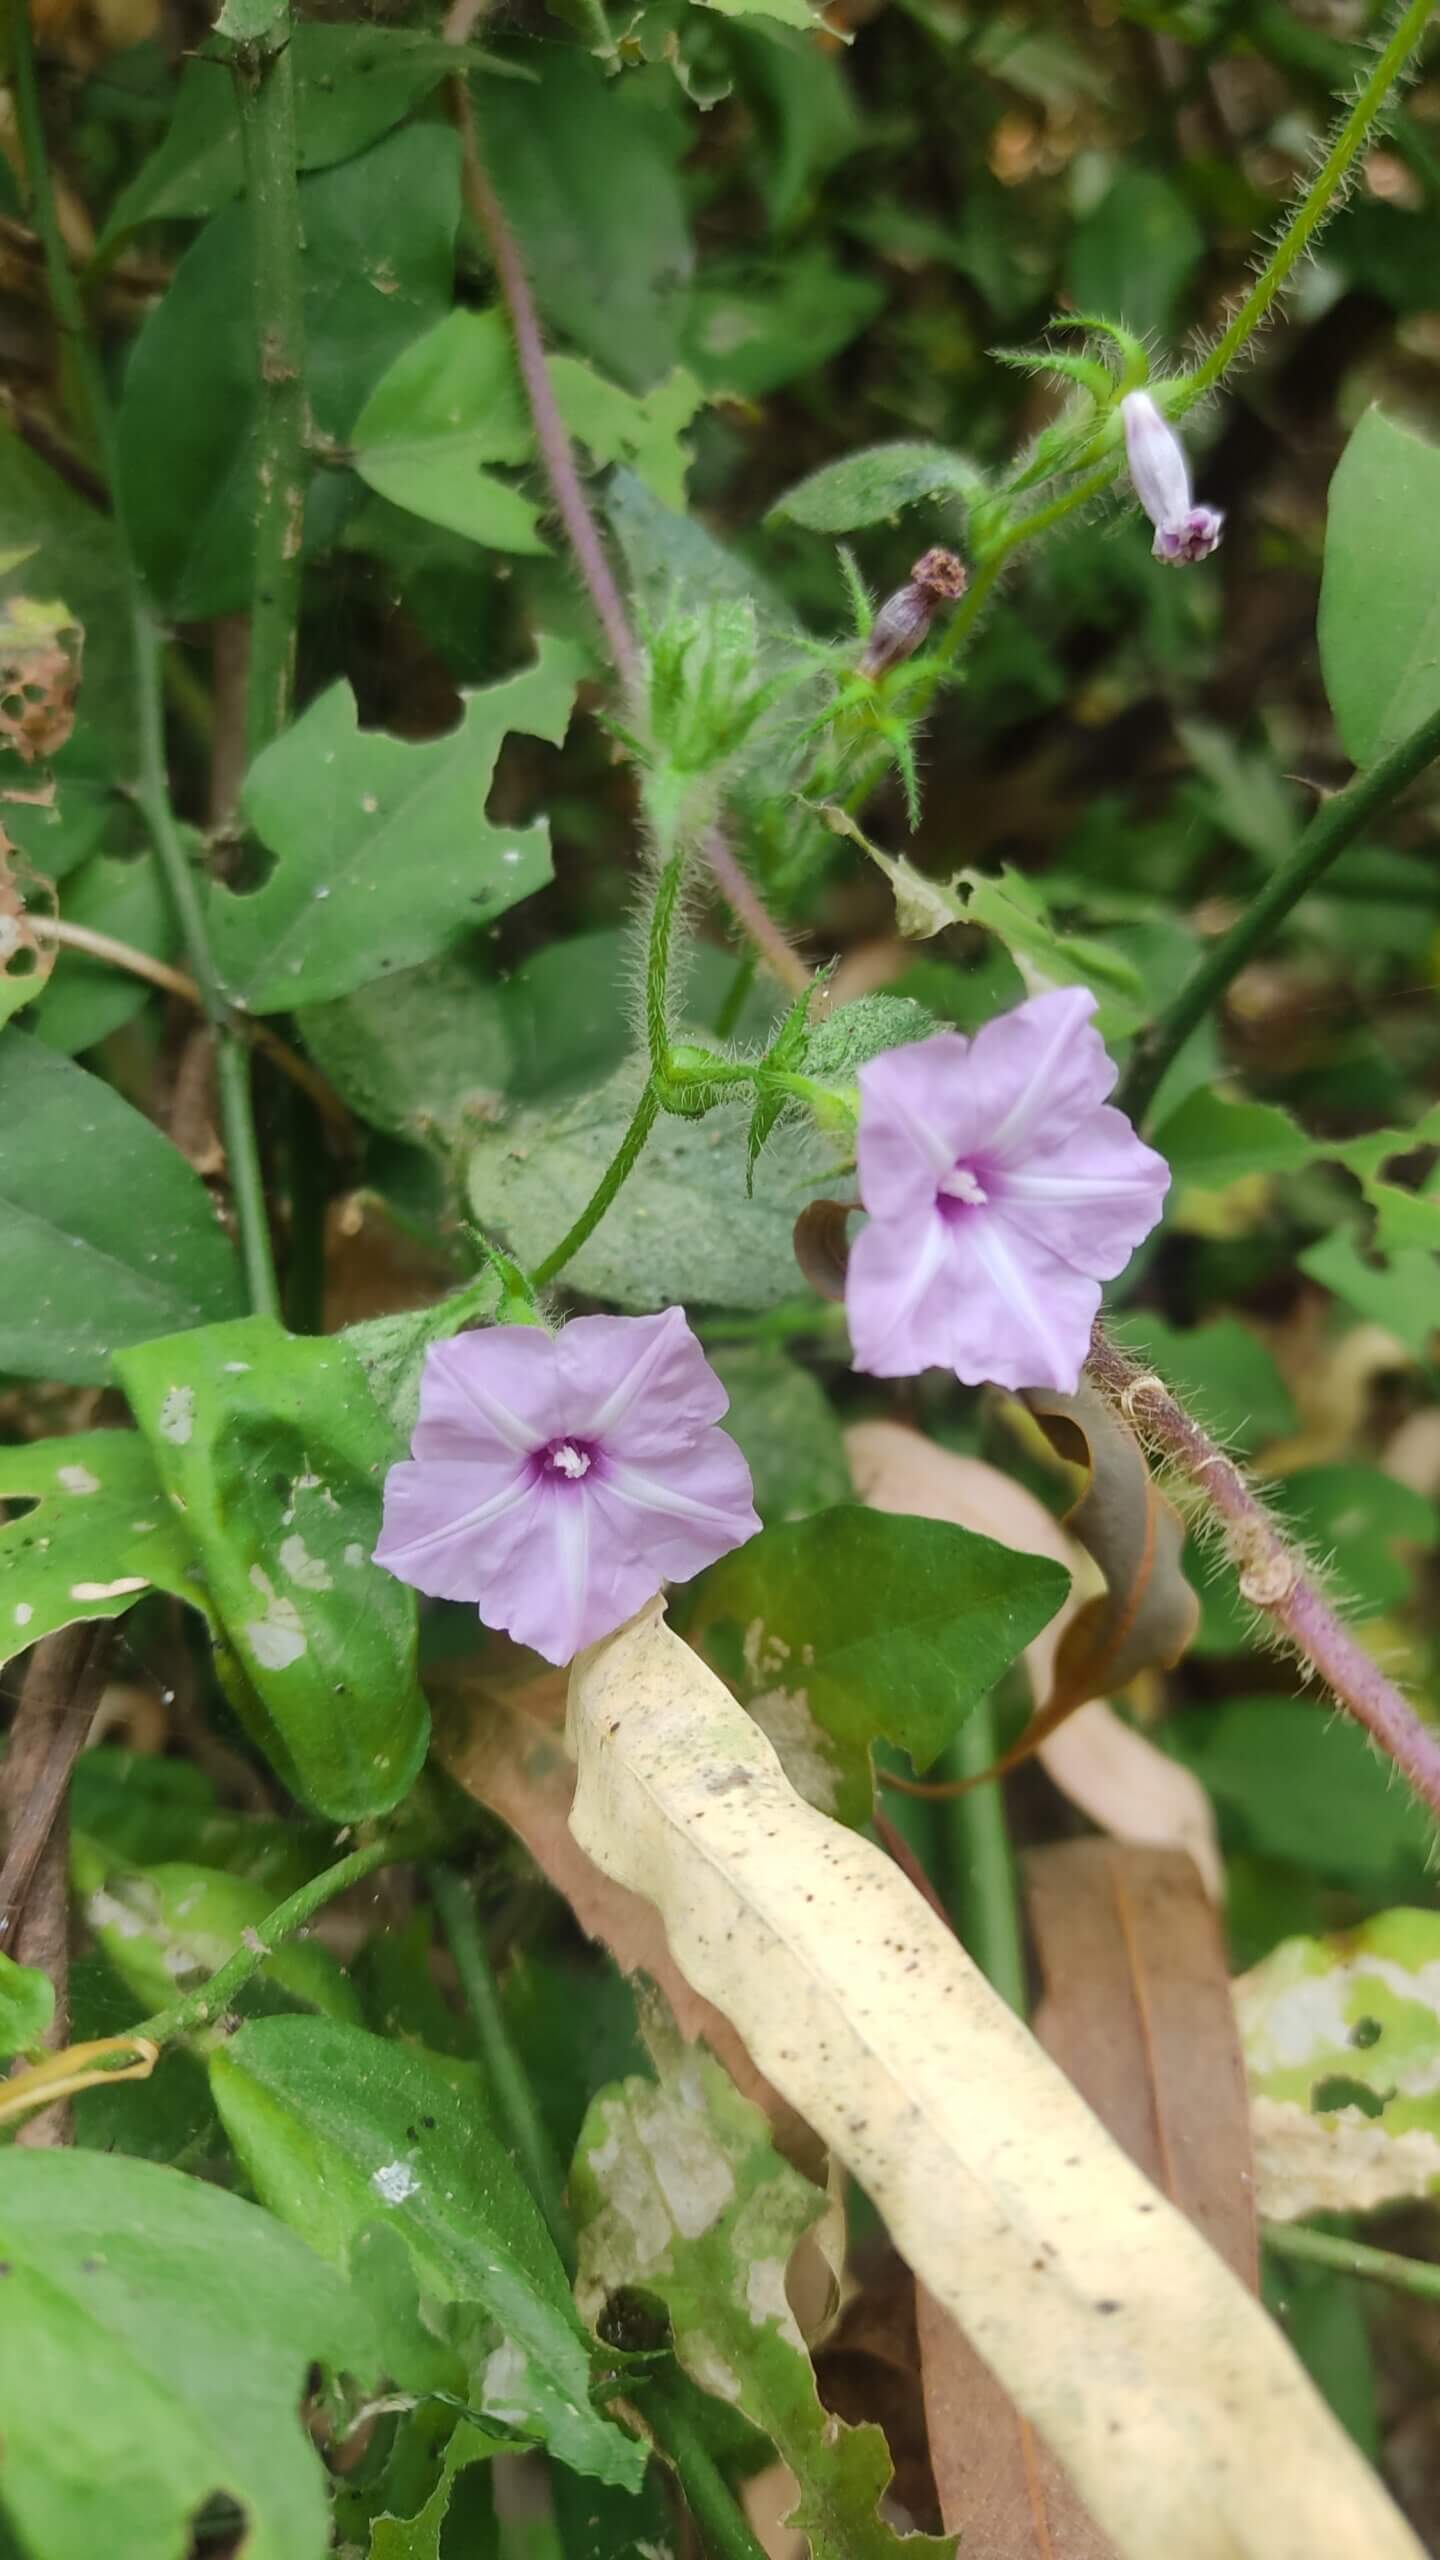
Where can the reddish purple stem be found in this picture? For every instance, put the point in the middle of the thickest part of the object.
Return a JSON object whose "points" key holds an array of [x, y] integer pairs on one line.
{"points": [[1271, 1572]]}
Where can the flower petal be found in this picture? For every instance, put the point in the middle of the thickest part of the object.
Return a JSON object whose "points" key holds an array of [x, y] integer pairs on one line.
{"points": [[681, 1511], [1092, 1199], [899, 1287], [1027, 1320], [440, 1515], [915, 1119], [1042, 1069], [640, 1385], [484, 1393]]}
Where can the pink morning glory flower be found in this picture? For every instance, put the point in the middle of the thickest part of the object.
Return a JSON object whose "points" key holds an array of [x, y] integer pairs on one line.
{"points": [[557, 1480], [1001, 1191], [1161, 474]]}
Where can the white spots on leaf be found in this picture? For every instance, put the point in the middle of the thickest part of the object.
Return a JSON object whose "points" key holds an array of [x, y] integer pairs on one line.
{"points": [[504, 2392], [395, 2182], [177, 1415], [764, 1654], [237, 1368], [23, 1613], [143, 1528], [766, 2299], [309, 1571], [354, 1554], [77, 1480], [277, 1639], [110, 1590], [805, 1755]]}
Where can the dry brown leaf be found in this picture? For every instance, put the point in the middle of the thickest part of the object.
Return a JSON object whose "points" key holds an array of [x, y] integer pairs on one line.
{"points": [[1104, 1766], [821, 1243], [1184, 2420], [1138, 2013]]}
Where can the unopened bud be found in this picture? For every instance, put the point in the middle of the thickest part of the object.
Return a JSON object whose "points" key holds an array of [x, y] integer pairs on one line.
{"points": [[904, 619], [1161, 474]]}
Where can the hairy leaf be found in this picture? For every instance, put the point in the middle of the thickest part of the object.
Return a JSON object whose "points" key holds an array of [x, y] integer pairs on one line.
{"points": [[872, 487], [1379, 618]]}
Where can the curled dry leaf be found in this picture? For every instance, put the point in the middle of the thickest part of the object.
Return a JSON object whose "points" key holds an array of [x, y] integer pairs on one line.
{"points": [[1056, 2255], [1103, 1765], [822, 1246], [1137, 2012]]}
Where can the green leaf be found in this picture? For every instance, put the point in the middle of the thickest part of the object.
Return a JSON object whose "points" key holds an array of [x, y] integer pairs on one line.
{"points": [[1398, 1293], [378, 238], [787, 1428], [1342, 2044], [100, 1533], [146, 1809], [85, 1000], [1380, 597], [451, 403], [339, 2131], [862, 1030], [680, 2193], [643, 433], [788, 13], [106, 1236], [876, 486], [166, 1928], [856, 1625], [383, 853], [753, 325], [352, 83], [588, 170], [1298, 1783], [1211, 1141], [1014, 909], [460, 2509], [1136, 253], [683, 1232], [170, 2327], [27, 2005], [276, 1451]]}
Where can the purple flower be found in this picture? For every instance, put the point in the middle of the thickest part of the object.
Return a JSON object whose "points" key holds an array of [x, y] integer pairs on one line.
{"points": [[1001, 1191], [557, 1480], [1161, 474]]}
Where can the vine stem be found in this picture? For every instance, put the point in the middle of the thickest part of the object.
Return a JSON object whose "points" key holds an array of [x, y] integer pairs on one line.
{"points": [[572, 506], [152, 787], [1352, 2258], [1314, 205], [1272, 1573], [523, 2121], [1335, 825], [265, 92], [622, 1164], [981, 1895], [723, 2528]]}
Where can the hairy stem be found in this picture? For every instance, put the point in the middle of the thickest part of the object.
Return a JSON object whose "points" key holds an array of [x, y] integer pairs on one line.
{"points": [[152, 788], [657, 963], [265, 92], [622, 1164], [1352, 2258], [529, 2140], [1336, 824], [1273, 1575], [1314, 206]]}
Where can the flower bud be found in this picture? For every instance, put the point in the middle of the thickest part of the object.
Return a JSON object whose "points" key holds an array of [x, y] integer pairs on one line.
{"points": [[903, 620], [1161, 476]]}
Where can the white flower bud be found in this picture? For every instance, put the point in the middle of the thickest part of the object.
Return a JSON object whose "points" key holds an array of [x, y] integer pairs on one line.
{"points": [[1161, 475]]}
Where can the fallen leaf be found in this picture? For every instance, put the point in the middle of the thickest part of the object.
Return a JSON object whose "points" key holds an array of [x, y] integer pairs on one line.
{"points": [[1112, 1773], [1152, 2374]]}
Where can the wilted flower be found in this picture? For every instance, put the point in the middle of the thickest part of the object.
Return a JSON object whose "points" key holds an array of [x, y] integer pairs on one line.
{"points": [[1161, 474], [904, 619], [1001, 1191], [557, 1480]]}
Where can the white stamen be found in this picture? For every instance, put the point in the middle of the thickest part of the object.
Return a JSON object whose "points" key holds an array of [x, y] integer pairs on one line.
{"points": [[569, 1461], [960, 1184]]}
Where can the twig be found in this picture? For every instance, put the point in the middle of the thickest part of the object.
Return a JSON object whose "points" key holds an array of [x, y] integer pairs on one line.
{"points": [[57, 1707], [1335, 825], [529, 2139], [573, 508], [1272, 1573], [152, 789], [1352, 2258], [265, 90], [159, 973]]}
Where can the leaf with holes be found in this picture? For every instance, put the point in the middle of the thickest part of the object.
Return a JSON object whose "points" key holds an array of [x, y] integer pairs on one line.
{"points": [[167, 2328], [383, 853], [276, 1451], [106, 1236], [99, 1532], [855, 1625], [680, 2192]]}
